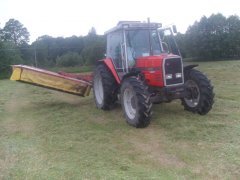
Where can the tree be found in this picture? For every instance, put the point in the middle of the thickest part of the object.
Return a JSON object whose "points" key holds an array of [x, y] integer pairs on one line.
{"points": [[69, 59], [41, 47], [9, 55], [206, 39], [49, 48], [92, 32], [14, 31], [50, 51], [180, 39], [233, 37], [1, 34], [213, 37], [94, 49]]}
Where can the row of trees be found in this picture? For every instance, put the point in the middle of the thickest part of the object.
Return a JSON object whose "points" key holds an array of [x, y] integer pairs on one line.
{"points": [[210, 38], [58, 51], [215, 37], [47, 51]]}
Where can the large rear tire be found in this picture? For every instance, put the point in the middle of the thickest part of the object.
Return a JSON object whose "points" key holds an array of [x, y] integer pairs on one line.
{"points": [[104, 88], [135, 101], [199, 92]]}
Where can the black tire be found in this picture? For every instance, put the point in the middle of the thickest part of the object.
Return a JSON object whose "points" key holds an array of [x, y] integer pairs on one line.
{"points": [[135, 101], [104, 88], [199, 92]]}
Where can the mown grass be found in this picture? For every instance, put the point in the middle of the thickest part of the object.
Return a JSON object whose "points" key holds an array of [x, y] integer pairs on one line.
{"points": [[51, 135]]}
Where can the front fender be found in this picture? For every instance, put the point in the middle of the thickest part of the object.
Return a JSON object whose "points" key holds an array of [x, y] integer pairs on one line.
{"points": [[188, 67]]}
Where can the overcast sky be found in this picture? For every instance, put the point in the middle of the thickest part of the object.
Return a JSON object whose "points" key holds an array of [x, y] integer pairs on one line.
{"points": [[75, 17]]}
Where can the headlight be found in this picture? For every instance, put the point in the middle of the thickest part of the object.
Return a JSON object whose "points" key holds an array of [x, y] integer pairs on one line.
{"points": [[168, 76], [178, 75]]}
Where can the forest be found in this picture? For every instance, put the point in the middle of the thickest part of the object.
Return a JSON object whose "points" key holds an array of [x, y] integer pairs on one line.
{"points": [[211, 38]]}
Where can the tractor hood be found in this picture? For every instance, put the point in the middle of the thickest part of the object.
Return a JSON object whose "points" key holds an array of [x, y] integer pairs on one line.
{"points": [[163, 70], [149, 62]]}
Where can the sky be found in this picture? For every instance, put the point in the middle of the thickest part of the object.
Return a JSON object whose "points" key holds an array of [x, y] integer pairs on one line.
{"points": [[76, 17]]}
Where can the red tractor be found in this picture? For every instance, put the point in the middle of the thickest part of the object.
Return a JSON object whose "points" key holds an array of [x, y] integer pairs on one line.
{"points": [[143, 66]]}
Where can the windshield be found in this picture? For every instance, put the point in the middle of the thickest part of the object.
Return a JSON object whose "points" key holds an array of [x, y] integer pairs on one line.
{"points": [[138, 43]]}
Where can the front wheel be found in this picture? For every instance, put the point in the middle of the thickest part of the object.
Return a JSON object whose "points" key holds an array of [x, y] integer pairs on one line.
{"points": [[135, 101], [199, 93]]}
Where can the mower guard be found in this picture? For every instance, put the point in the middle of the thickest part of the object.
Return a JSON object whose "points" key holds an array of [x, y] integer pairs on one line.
{"points": [[51, 80]]}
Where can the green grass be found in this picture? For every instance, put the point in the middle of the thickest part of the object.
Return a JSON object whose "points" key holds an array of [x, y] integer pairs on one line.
{"points": [[52, 135]]}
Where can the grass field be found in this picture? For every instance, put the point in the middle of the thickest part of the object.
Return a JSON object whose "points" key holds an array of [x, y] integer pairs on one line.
{"points": [[50, 135]]}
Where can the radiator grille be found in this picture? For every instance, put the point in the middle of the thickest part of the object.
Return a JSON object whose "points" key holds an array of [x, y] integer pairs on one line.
{"points": [[172, 70]]}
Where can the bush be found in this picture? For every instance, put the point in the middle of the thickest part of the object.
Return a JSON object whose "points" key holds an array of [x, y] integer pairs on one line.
{"points": [[69, 59]]}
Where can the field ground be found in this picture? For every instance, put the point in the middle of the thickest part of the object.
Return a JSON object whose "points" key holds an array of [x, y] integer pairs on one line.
{"points": [[50, 135]]}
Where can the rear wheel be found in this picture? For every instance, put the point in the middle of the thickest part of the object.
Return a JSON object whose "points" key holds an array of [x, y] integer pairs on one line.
{"points": [[199, 93], [135, 101], [104, 88]]}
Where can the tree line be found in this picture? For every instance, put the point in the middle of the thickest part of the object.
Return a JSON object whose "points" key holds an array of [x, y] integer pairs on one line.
{"points": [[47, 51], [211, 38]]}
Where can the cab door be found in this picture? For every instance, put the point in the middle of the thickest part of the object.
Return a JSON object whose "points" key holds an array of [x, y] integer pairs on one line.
{"points": [[115, 51], [168, 42]]}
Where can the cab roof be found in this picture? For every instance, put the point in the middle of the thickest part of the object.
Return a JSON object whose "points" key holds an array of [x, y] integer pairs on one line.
{"points": [[133, 25]]}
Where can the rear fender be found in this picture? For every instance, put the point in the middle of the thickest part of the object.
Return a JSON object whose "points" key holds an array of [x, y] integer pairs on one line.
{"points": [[108, 62]]}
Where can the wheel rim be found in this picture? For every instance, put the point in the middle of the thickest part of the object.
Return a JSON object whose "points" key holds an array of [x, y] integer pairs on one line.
{"points": [[129, 103], [193, 93], [98, 89]]}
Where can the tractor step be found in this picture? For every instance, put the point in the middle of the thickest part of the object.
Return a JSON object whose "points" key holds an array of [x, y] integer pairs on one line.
{"points": [[65, 82]]}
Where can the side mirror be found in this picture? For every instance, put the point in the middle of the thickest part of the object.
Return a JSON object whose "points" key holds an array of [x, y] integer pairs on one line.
{"points": [[174, 27]]}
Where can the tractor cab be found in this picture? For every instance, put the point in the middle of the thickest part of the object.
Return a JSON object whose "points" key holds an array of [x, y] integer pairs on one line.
{"points": [[131, 40]]}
